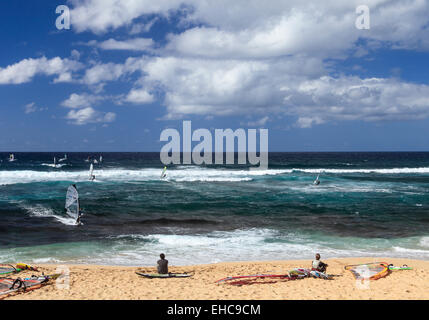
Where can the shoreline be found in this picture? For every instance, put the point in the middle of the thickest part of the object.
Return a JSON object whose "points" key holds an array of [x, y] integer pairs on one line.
{"points": [[104, 282]]}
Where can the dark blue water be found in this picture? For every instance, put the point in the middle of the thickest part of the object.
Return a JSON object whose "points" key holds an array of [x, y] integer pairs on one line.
{"points": [[368, 204]]}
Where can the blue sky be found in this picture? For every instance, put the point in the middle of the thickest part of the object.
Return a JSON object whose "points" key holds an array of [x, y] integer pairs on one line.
{"points": [[126, 70]]}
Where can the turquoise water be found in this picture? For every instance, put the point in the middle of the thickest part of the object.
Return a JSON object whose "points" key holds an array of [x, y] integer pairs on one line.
{"points": [[368, 204]]}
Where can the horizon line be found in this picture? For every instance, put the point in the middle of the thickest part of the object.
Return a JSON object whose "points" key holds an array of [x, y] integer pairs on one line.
{"points": [[331, 151]]}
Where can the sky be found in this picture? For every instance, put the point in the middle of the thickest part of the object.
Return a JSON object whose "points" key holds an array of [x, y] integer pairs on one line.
{"points": [[126, 70]]}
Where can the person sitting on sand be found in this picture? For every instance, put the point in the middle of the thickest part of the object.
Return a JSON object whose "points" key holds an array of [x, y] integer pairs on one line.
{"points": [[318, 265], [162, 264]]}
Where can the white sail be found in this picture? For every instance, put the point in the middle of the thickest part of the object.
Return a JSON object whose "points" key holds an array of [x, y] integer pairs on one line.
{"points": [[101, 159], [317, 181], [91, 171], [72, 202], [55, 161], [11, 157], [163, 174]]}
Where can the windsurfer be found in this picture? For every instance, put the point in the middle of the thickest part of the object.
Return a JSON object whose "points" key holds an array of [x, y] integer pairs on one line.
{"points": [[318, 265], [78, 219], [164, 173], [80, 213], [317, 181], [162, 264]]}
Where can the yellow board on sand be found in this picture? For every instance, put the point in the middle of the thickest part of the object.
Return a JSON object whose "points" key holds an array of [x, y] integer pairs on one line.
{"points": [[24, 266]]}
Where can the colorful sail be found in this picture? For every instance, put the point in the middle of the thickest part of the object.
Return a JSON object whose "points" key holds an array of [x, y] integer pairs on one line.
{"points": [[9, 286], [6, 269], [369, 271], [281, 276]]}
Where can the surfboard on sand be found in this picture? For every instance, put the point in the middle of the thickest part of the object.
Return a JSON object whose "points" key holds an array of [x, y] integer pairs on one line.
{"points": [[164, 276]]}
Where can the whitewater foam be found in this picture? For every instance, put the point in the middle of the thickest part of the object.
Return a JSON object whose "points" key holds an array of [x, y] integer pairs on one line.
{"points": [[40, 211], [422, 170], [237, 245], [124, 175]]}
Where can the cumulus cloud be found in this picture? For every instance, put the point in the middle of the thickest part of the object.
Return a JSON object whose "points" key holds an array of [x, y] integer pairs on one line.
{"points": [[89, 115], [135, 44], [102, 73], [100, 16], [352, 98], [75, 101], [295, 87], [26, 69], [224, 87], [281, 26], [243, 57], [139, 96]]}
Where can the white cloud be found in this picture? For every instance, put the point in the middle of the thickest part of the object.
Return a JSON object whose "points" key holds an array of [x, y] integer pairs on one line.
{"points": [[89, 115], [75, 54], [25, 70], [259, 123], [135, 44], [352, 98], [100, 16], [30, 108], [139, 96], [137, 28], [248, 57], [223, 87], [295, 87], [308, 122], [84, 100], [243, 26], [102, 73]]}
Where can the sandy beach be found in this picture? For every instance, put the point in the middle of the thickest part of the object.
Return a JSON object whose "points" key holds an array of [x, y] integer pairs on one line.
{"points": [[91, 282]]}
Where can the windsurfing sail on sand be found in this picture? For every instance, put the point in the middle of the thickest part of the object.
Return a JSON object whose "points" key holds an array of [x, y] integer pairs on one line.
{"points": [[72, 202], [9, 286], [369, 271], [258, 279], [164, 174], [7, 268]]}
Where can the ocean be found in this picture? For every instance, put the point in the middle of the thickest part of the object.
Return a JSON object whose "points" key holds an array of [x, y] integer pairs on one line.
{"points": [[368, 204]]}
